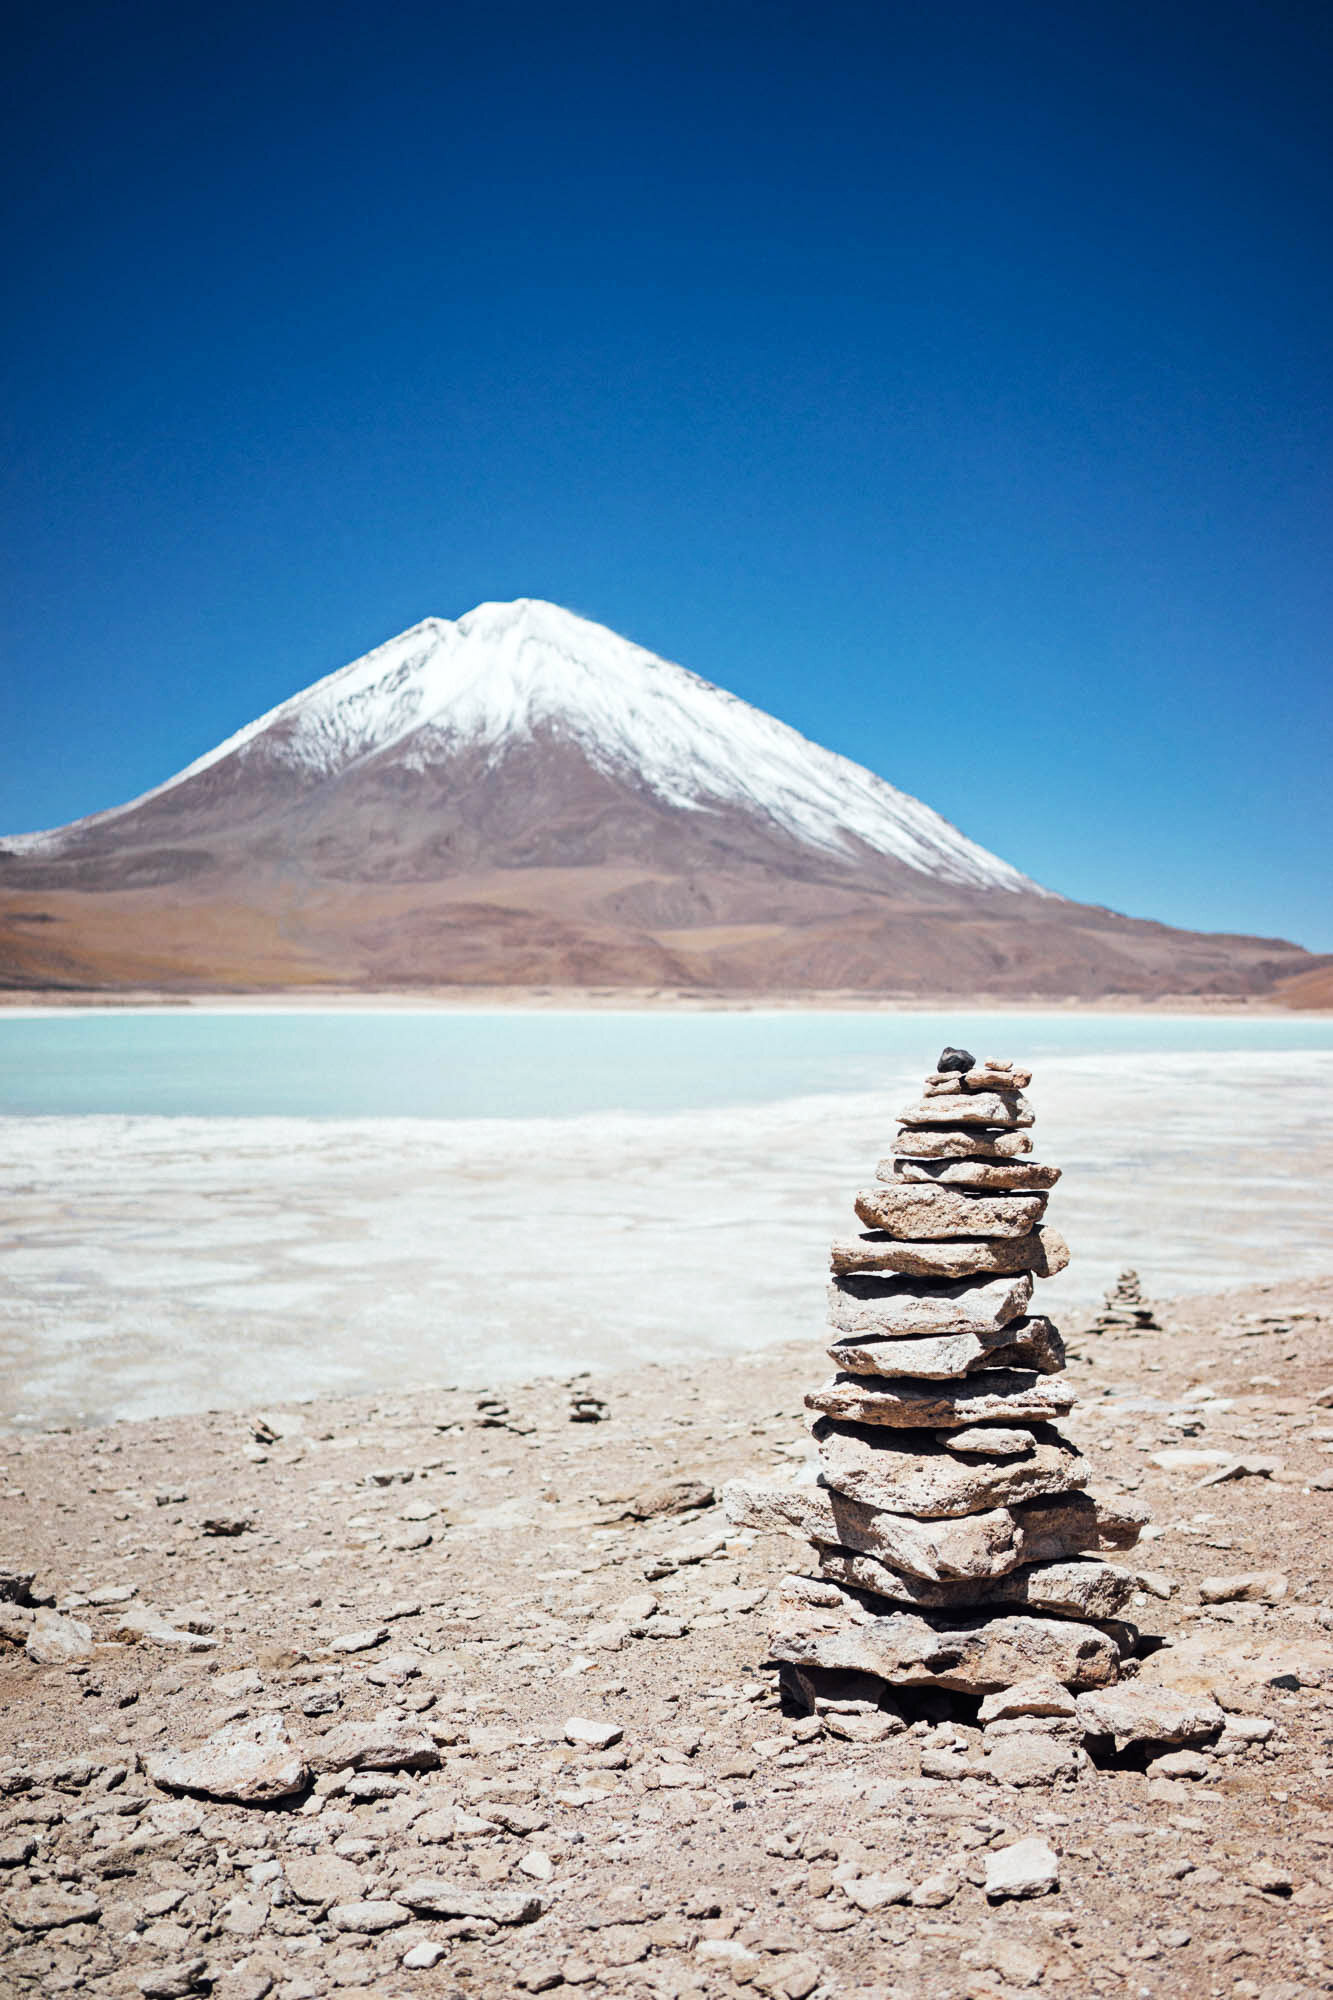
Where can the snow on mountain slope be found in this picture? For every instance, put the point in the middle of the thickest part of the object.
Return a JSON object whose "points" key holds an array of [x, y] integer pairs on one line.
{"points": [[505, 672]]}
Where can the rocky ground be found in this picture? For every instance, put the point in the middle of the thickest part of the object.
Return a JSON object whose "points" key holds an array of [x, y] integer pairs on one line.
{"points": [[457, 1696]]}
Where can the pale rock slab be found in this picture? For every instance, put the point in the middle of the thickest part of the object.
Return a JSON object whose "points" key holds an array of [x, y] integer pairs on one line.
{"points": [[981, 1076], [986, 1441], [877, 1892], [430, 1896], [977, 1545], [927, 1214], [907, 1472], [990, 1395], [1020, 1175], [964, 1547], [369, 1918], [820, 1625], [141, 1625], [1073, 1589], [591, 1733], [973, 1144], [377, 1745], [50, 1909], [980, 1107], [1258, 1586], [1031, 1342], [252, 1762], [1028, 1868], [1044, 1252], [902, 1307], [1039, 1696], [1137, 1714]]}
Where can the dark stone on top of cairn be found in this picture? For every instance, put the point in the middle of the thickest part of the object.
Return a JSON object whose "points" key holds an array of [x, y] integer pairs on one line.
{"points": [[958, 1059]]}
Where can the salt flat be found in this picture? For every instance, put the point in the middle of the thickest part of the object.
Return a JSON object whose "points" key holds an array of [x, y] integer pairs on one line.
{"points": [[166, 1264]]}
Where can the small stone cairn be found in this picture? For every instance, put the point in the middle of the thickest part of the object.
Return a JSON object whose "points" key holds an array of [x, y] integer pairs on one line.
{"points": [[953, 1543], [1125, 1310]]}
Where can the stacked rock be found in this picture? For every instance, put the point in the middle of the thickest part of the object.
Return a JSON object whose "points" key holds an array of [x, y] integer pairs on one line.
{"points": [[953, 1541], [1125, 1310]]}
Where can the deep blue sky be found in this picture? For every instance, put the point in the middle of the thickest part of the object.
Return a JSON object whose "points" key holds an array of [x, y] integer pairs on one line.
{"points": [[953, 382]]}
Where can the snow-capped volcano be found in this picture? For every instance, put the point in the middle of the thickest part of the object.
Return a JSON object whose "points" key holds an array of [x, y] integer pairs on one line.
{"points": [[522, 798], [511, 675]]}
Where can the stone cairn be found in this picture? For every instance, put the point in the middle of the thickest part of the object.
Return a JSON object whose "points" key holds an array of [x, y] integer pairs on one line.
{"points": [[952, 1542], [1125, 1310]]}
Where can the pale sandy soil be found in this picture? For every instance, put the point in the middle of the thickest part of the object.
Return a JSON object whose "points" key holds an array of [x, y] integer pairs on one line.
{"points": [[698, 1857]]}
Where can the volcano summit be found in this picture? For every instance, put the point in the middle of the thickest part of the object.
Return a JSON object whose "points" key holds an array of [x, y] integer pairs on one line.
{"points": [[522, 797]]}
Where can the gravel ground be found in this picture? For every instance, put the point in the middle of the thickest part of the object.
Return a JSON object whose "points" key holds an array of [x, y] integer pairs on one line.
{"points": [[398, 1608]]}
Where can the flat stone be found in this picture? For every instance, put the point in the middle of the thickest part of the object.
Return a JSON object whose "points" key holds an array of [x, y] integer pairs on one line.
{"points": [[432, 1897], [1031, 1342], [51, 1638], [376, 1745], [1188, 1458], [50, 1909], [668, 1496], [1019, 1175], [1139, 1714], [887, 1308], [1070, 1589], [1039, 1696], [961, 1143], [592, 1734], [174, 1982], [1027, 1868], [1044, 1252], [251, 1762], [820, 1625], [991, 1394], [361, 1641], [424, 1957], [928, 1214], [965, 1547], [969, 1107], [322, 1878], [1181, 1764], [986, 1441], [1242, 1468], [141, 1625], [907, 1472], [1256, 1586], [369, 1917], [877, 1892]]}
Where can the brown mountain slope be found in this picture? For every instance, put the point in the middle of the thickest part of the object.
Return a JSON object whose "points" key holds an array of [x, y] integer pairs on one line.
{"points": [[560, 927]]}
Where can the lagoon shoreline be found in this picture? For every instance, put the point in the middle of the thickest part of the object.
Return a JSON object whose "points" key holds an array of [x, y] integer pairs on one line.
{"points": [[580, 999]]}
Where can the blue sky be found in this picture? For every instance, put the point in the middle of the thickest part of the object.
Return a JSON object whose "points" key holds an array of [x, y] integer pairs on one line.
{"points": [[952, 382]]}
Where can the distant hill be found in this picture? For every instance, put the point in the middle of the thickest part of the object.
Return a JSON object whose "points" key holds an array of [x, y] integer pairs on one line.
{"points": [[524, 798]]}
